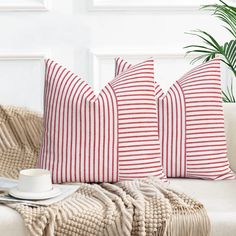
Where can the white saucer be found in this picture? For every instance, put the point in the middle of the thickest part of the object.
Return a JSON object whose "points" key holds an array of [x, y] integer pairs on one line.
{"points": [[35, 196]]}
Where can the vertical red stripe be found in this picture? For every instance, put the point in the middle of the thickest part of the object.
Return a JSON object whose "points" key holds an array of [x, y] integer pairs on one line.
{"points": [[113, 133], [182, 105], [104, 136], [172, 170], [74, 141], [47, 113], [60, 160], [94, 146], [51, 111], [99, 141]]}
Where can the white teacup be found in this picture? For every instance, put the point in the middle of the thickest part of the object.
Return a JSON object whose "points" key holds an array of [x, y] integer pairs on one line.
{"points": [[34, 181]]}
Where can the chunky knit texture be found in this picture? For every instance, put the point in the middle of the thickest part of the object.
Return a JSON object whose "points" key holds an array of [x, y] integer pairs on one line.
{"points": [[20, 138], [138, 207]]}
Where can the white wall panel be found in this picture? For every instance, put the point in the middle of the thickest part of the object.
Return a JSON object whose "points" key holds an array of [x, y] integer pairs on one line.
{"points": [[23, 5], [21, 79], [135, 29], [147, 5], [169, 66], [102, 64]]}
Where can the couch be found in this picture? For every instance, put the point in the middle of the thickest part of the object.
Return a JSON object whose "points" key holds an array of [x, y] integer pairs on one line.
{"points": [[219, 197]]}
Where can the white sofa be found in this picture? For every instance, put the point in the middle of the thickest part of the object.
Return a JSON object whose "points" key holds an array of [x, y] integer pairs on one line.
{"points": [[219, 197]]}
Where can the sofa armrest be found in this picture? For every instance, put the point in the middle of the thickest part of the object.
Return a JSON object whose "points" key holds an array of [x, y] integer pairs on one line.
{"points": [[230, 129]]}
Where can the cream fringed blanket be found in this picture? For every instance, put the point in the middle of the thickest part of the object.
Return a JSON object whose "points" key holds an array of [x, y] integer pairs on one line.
{"points": [[141, 207]]}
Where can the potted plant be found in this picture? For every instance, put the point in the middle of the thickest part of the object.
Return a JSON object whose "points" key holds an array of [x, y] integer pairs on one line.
{"points": [[211, 48]]}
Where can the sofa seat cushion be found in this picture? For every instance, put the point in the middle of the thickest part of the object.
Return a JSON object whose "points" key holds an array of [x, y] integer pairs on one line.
{"points": [[219, 199], [11, 223]]}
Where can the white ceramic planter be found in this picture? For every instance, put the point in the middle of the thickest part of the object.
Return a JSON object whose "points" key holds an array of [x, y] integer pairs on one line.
{"points": [[230, 128]]}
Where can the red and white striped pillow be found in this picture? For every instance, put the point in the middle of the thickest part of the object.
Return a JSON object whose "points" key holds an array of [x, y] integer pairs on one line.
{"points": [[104, 138], [191, 124]]}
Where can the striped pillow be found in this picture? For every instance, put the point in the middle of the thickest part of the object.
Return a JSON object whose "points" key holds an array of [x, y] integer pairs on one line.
{"points": [[104, 138], [191, 124]]}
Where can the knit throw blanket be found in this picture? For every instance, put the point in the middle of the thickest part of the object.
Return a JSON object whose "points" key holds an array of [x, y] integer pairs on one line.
{"points": [[140, 207], [20, 138]]}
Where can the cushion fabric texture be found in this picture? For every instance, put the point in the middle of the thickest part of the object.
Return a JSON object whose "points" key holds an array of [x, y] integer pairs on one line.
{"points": [[191, 124], [20, 139], [104, 138]]}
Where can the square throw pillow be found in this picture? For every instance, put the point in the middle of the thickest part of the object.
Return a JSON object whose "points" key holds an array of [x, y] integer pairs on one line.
{"points": [[191, 124], [20, 140], [104, 138]]}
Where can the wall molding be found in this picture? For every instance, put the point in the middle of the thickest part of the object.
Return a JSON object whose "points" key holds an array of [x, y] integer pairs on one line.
{"points": [[27, 6], [22, 56], [32, 65], [147, 5], [96, 55]]}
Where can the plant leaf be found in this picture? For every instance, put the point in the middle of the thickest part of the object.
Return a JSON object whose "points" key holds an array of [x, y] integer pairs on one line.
{"points": [[225, 13], [229, 53], [225, 97], [209, 51]]}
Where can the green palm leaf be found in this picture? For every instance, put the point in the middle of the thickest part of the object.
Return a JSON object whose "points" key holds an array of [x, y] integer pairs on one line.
{"points": [[225, 13], [229, 54], [208, 51]]}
